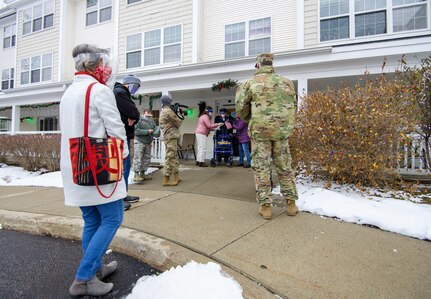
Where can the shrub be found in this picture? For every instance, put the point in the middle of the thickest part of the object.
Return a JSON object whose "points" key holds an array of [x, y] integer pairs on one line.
{"points": [[417, 84], [32, 152], [350, 135]]}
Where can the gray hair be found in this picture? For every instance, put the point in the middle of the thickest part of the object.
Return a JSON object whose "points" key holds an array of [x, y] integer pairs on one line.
{"points": [[87, 56]]}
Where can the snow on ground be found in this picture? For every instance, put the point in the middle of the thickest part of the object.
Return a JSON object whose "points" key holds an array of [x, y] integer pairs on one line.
{"points": [[373, 207], [192, 281], [17, 176]]}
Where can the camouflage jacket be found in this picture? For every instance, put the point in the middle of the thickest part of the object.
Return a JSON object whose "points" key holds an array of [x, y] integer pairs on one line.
{"points": [[170, 123], [141, 130], [268, 103]]}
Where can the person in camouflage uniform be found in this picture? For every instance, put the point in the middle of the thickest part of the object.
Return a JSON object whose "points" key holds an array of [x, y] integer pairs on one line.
{"points": [[145, 130], [170, 124], [268, 103]]}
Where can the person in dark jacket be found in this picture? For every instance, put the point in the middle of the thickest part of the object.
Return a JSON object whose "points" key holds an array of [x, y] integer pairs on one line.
{"points": [[223, 117], [129, 116], [241, 128]]}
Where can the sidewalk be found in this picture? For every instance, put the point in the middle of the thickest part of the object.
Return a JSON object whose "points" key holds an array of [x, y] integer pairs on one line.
{"points": [[212, 215]]}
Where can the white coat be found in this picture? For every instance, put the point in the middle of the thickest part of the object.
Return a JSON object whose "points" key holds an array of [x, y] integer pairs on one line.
{"points": [[104, 118]]}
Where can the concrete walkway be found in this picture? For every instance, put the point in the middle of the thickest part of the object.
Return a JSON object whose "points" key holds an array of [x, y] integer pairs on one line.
{"points": [[212, 215]]}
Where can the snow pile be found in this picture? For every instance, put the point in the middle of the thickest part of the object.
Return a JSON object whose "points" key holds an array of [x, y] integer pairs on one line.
{"points": [[192, 281], [17, 176], [400, 216]]}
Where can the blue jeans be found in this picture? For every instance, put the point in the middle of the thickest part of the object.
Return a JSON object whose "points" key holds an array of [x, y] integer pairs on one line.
{"points": [[244, 149], [126, 167], [101, 222]]}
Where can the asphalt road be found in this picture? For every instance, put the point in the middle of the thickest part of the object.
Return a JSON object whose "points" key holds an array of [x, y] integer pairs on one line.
{"points": [[40, 267]]}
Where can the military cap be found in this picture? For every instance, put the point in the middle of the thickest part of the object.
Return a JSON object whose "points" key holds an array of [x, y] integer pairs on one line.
{"points": [[264, 59]]}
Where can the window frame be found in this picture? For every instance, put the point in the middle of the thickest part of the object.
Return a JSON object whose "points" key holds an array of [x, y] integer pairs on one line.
{"points": [[98, 9], [44, 15], [11, 36], [136, 1], [352, 13], [10, 79], [161, 47], [47, 121], [247, 38], [40, 69]]}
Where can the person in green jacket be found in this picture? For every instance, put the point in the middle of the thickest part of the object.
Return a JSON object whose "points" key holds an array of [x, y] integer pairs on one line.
{"points": [[145, 130]]}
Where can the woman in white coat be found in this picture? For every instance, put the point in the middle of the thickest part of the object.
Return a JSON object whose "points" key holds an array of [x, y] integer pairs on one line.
{"points": [[102, 217]]}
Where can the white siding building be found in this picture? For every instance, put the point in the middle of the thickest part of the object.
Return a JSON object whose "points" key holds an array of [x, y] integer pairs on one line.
{"points": [[183, 47]]}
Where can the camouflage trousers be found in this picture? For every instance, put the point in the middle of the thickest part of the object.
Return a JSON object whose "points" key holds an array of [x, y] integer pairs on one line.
{"points": [[261, 153], [142, 156], [171, 157]]}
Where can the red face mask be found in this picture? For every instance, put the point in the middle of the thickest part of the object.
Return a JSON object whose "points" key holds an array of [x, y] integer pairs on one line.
{"points": [[102, 73]]}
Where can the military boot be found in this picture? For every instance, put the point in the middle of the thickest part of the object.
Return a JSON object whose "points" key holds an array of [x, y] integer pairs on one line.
{"points": [[265, 211], [146, 177], [138, 178], [166, 181], [177, 178], [92, 287], [292, 209]]}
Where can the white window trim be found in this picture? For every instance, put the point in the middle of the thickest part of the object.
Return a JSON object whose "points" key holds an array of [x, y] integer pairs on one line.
{"points": [[389, 23], [161, 46], [97, 9], [247, 38], [9, 78], [41, 68], [13, 33], [32, 8]]}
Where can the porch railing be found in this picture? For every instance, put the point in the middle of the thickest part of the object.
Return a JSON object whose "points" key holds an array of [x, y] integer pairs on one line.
{"points": [[157, 151], [413, 156]]}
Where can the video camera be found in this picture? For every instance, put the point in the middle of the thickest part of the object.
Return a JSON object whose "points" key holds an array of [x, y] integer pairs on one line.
{"points": [[177, 108]]}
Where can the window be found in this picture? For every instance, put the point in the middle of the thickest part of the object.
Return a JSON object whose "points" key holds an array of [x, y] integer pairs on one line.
{"points": [[98, 11], [133, 51], [7, 78], [9, 36], [48, 124], [409, 15], [36, 69], [38, 17], [370, 17], [234, 40], [256, 41], [154, 47], [334, 19], [133, 1]]}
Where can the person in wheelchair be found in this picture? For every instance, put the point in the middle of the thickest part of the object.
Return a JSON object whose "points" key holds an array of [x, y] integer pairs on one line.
{"points": [[225, 129]]}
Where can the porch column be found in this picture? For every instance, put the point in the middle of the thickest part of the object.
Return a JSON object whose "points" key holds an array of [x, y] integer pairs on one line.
{"points": [[16, 119], [302, 89]]}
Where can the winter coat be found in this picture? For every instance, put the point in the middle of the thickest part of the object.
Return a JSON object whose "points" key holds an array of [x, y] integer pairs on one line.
{"points": [[127, 108], [142, 127], [204, 125], [267, 102], [223, 129], [241, 128], [170, 123], [104, 119]]}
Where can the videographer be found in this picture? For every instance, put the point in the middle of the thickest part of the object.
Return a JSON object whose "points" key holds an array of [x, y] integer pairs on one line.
{"points": [[170, 122]]}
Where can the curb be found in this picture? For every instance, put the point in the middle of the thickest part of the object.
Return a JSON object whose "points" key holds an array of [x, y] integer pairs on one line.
{"points": [[159, 253]]}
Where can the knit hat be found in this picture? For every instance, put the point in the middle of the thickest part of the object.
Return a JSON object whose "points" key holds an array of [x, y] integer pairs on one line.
{"points": [[131, 79], [165, 100]]}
